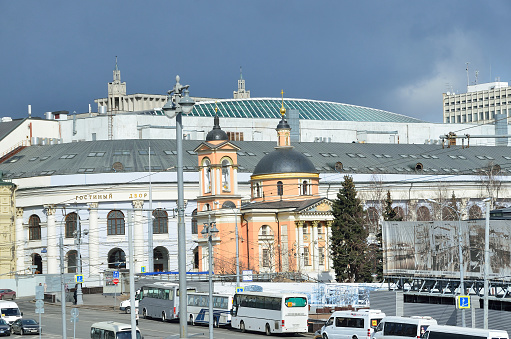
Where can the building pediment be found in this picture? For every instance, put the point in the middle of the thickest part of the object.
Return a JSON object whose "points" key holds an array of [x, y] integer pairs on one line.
{"points": [[323, 206], [225, 146]]}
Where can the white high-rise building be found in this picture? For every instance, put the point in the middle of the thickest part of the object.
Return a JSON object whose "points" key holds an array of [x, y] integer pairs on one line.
{"points": [[479, 105]]}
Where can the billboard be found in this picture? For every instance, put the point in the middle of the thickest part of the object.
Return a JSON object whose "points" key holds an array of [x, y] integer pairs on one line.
{"points": [[431, 248]]}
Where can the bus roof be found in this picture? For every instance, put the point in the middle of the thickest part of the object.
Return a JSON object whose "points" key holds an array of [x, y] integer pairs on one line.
{"points": [[161, 285], [278, 295], [113, 326], [464, 330]]}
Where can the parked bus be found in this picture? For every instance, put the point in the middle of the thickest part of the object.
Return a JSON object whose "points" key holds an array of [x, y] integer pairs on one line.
{"points": [[159, 301], [198, 308], [455, 332], [270, 312], [112, 330], [400, 327]]}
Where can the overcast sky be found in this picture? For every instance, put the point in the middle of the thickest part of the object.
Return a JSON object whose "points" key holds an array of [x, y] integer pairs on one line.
{"points": [[398, 56]]}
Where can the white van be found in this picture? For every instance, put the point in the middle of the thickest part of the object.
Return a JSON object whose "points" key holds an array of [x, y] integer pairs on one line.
{"points": [[9, 311], [399, 327], [112, 330], [455, 332], [351, 324]]}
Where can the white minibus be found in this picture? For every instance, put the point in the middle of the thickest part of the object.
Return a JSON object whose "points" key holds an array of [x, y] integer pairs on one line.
{"points": [[352, 324], [10, 311], [399, 327], [112, 330], [198, 308], [455, 332]]}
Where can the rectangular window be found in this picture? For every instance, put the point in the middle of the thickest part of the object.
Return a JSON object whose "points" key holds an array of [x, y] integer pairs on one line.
{"points": [[34, 233], [266, 257], [306, 260]]}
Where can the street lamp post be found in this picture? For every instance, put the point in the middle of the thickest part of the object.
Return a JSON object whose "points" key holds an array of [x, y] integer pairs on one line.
{"points": [[462, 274], [209, 232], [78, 241], [179, 102], [486, 261]]}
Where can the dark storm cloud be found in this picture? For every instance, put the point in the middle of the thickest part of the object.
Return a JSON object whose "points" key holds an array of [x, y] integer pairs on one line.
{"points": [[394, 55]]}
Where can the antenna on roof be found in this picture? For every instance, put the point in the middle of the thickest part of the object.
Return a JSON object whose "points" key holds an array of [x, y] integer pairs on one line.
{"points": [[468, 82]]}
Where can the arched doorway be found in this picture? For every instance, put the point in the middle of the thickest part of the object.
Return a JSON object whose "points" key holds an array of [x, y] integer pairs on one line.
{"points": [[161, 259], [116, 258], [37, 260]]}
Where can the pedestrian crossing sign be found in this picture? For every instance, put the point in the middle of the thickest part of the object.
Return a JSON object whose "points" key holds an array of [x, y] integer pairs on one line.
{"points": [[79, 278]]}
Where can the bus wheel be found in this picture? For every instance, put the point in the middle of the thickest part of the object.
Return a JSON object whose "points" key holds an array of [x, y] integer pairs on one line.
{"points": [[354, 337], [325, 336], [191, 320], [215, 322], [127, 310], [163, 316], [144, 314], [242, 327], [267, 330]]}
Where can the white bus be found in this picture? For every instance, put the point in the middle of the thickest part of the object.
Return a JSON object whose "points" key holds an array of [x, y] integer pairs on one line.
{"points": [[112, 330], [9, 311], [198, 308], [270, 312], [159, 301], [455, 332]]}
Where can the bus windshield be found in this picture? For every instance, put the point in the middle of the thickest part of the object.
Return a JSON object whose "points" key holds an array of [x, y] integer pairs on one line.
{"points": [[127, 335], [296, 302], [9, 312]]}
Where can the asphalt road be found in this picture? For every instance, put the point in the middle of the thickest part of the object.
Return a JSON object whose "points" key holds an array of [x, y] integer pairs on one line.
{"points": [[51, 321]]}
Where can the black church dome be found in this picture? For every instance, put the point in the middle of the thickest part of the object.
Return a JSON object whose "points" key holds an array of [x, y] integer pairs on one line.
{"points": [[284, 160], [216, 133]]}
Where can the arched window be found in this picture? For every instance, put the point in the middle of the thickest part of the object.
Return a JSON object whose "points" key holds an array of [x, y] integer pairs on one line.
{"points": [[116, 258], [226, 175], [256, 190], [71, 224], [72, 261], [474, 212], [423, 214], [160, 222], [34, 228], [207, 176], [195, 228], [115, 223], [280, 188], [305, 188]]}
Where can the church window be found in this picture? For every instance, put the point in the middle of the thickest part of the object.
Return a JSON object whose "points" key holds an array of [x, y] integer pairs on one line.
{"points": [[226, 175], [305, 188], [280, 188], [207, 176]]}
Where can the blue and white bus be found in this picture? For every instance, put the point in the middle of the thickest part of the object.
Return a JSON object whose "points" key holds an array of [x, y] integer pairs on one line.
{"points": [[270, 312], [198, 308]]}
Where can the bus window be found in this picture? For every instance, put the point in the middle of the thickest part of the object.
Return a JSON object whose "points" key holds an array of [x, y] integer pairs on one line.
{"points": [[296, 302]]}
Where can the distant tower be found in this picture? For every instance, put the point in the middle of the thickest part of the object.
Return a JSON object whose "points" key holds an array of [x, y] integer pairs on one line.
{"points": [[116, 90], [241, 93]]}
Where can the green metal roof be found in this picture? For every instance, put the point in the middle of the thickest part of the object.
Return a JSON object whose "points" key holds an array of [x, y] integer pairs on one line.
{"points": [[269, 108]]}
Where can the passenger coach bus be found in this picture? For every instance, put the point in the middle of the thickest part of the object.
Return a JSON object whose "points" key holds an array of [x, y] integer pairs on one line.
{"points": [[270, 312], [198, 308], [159, 300]]}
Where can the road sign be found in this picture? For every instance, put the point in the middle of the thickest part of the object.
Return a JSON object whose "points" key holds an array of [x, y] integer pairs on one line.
{"points": [[247, 275], [115, 274], [74, 312], [116, 281], [39, 310], [39, 304], [79, 278], [239, 289], [142, 269], [463, 301], [39, 292]]}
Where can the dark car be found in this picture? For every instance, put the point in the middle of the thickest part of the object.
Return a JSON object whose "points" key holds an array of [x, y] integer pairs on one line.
{"points": [[5, 328], [25, 326], [7, 294]]}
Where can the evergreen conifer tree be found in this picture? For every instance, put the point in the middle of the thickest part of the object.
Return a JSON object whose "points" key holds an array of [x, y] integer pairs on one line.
{"points": [[389, 214], [349, 236]]}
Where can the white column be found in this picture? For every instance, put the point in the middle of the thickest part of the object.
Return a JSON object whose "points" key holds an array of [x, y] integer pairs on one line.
{"points": [[300, 245], [327, 244], [20, 241], [52, 255], [315, 246], [138, 236], [93, 240]]}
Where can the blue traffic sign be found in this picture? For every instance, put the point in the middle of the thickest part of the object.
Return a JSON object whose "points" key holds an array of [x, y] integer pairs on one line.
{"points": [[116, 274], [463, 301], [79, 278], [239, 289]]}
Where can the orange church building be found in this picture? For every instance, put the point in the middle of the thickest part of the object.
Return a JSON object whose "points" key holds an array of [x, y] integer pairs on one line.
{"points": [[285, 227]]}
